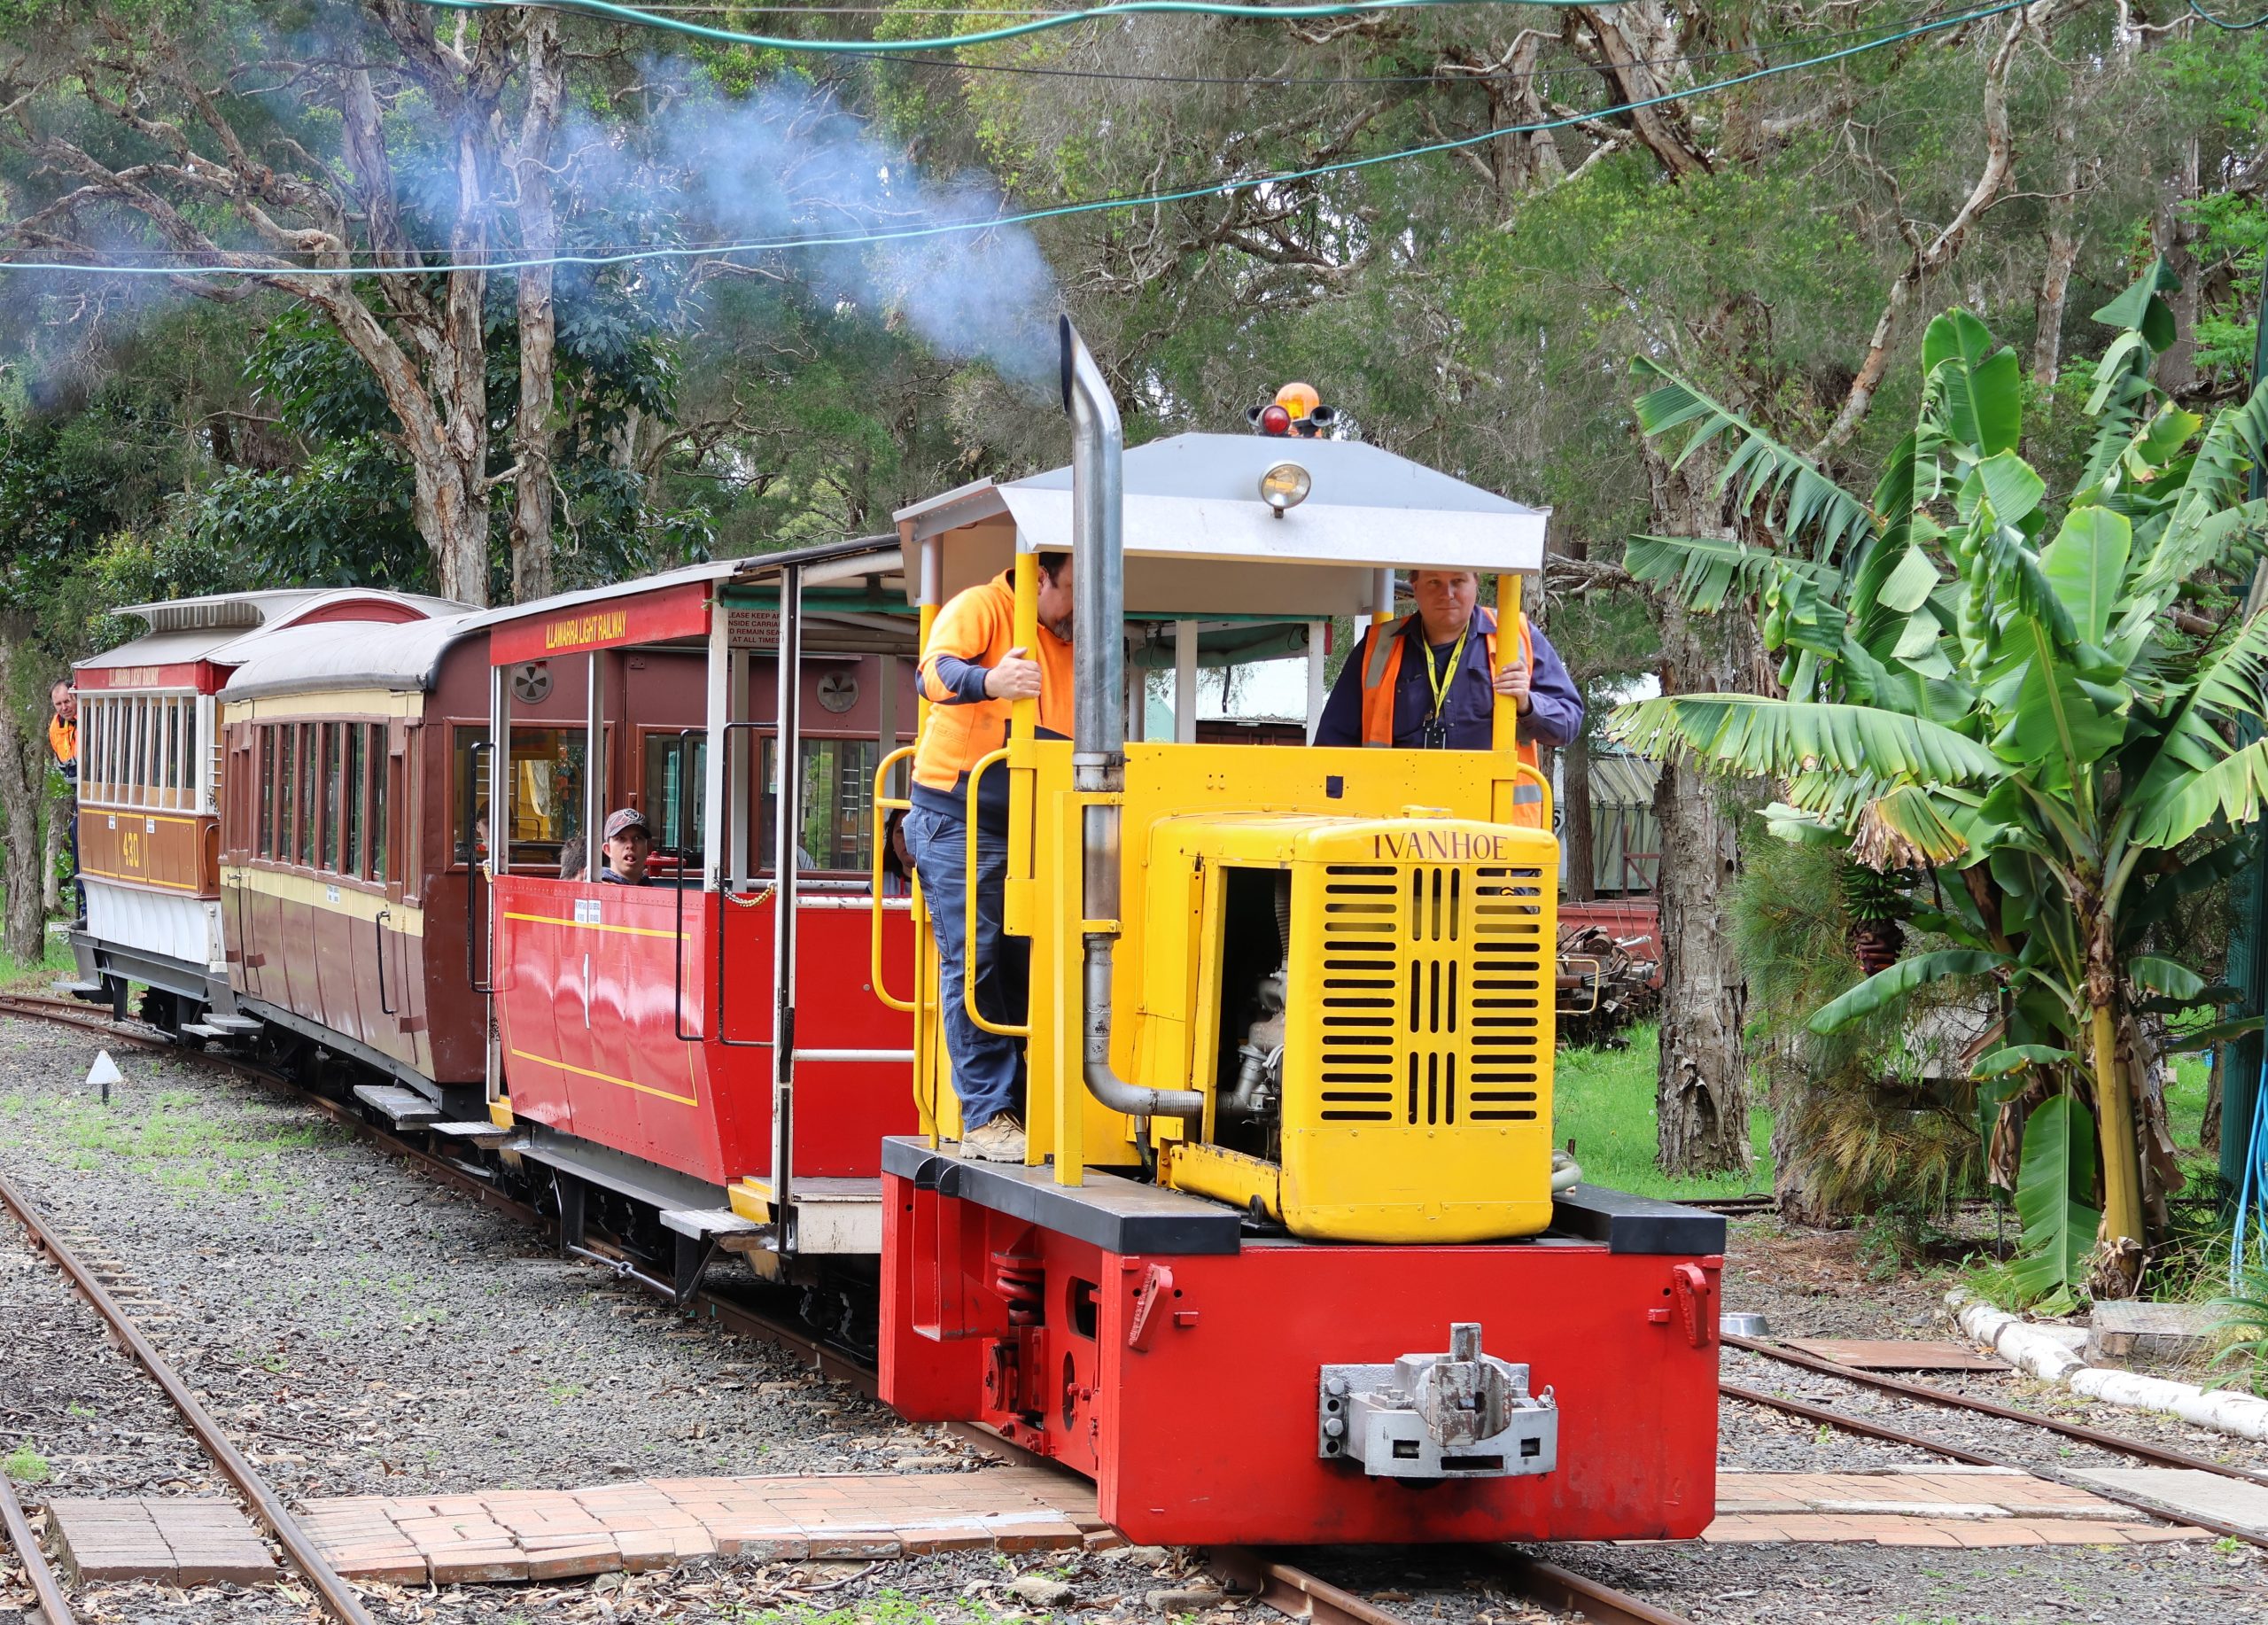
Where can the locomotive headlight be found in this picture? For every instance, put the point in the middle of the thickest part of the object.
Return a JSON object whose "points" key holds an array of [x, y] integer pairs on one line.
{"points": [[1284, 486]]}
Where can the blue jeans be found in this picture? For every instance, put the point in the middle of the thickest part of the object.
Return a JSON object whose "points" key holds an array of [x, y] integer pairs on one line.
{"points": [[984, 1064]]}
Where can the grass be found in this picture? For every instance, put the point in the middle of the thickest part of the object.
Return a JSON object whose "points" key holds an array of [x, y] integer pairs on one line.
{"points": [[26, 1466], [17, 976], [1604, 1101]]}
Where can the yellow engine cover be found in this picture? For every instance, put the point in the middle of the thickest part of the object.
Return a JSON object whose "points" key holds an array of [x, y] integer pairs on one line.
{"points": [[1416, 1087]]}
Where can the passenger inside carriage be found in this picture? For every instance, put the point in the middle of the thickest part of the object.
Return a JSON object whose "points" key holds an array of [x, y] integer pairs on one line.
{"points": [[629, 844]]}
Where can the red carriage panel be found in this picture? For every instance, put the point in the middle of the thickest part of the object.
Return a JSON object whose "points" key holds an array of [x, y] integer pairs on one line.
{"points": [[595, 987]]}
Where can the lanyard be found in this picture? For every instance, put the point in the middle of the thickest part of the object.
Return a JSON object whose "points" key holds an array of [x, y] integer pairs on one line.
{"points": [[1439, 679]]}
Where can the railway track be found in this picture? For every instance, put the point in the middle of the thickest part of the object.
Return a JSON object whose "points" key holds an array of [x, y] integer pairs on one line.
{"points": [[338, 1600], [1291, 1591], [2140, 1450]]}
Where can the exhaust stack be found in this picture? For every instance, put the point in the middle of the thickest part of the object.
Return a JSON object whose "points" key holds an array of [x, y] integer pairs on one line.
{"points": [[1099, 723]]}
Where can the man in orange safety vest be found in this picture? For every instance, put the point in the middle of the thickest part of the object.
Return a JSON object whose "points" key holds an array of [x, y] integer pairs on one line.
{"points": [[1430, 679]]}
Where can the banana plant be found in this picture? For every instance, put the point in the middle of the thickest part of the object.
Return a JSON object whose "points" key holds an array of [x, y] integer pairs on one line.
{"points": [[2030, 700]]}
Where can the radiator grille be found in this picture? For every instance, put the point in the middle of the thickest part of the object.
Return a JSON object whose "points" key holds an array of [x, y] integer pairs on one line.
{"points": [[1433, 988]]}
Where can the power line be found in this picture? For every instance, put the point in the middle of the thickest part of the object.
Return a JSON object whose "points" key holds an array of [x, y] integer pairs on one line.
{"points": [[1270, 82], [1054, 19], [1054, 212], [2224, 23]]}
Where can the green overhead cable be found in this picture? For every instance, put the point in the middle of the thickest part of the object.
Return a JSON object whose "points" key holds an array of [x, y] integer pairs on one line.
{"points": [[2224, 23], [609, 9], [1059, 211]]}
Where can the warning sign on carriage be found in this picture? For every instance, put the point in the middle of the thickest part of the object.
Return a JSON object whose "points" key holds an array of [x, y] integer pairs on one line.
{"points": [[754, 628]]}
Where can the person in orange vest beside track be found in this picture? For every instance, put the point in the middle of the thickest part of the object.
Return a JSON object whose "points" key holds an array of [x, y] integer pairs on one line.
{"points": [[63, 740], [1430, 681], [973, 672]]}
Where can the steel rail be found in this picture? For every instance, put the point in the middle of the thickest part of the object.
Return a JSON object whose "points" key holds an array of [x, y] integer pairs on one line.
{"points": [[2164, 1455], [734, 1317], [1979, 1458], [1292, 1593], [338, 1600], [1569, 1592], [53, 1607]]}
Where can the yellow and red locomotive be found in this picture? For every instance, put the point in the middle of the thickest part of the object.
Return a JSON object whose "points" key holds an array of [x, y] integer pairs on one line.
{"points": [[1288, 1260]]}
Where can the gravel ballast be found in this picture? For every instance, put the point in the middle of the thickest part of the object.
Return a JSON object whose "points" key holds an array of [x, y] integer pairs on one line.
{"points": [[361, 1330]]}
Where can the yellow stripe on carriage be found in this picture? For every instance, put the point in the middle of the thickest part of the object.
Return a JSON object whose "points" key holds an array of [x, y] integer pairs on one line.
{"points": [[592, 925], [606, 1078]]}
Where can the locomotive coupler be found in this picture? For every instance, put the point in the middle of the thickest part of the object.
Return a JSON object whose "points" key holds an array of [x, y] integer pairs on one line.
{"points": [[1463, 1414]]}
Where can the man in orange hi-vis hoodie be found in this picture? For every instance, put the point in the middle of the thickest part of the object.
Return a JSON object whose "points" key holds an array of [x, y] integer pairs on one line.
{"points": [[973, 672], [63, 741]]}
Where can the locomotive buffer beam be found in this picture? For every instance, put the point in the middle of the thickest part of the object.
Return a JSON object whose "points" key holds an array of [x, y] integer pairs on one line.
{"points": [[1463, 1414]]}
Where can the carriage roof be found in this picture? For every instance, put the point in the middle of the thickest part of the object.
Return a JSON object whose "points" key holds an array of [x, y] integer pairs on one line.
{"points": [[226, 630]]}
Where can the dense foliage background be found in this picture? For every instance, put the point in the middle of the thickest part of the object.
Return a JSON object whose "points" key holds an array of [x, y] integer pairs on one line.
{"points": [[1600, 181]]}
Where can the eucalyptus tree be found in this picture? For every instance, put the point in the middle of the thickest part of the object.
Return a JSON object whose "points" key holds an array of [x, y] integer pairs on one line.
{"points": [[257, 146], [2032, 699]]}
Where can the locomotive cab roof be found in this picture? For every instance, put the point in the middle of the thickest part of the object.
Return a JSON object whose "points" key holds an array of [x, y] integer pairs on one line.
{"points": [[1201, 540]]}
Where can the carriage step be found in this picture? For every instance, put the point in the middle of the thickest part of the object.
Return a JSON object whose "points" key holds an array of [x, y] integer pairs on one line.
{"points": [[232, 1026], [405, 1108], [485, 1136], [206, 1030], [709, 1222], [93, 992]]}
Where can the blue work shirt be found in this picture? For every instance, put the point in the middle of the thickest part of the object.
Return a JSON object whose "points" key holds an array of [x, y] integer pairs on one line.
{"points": [[1555, 705]]}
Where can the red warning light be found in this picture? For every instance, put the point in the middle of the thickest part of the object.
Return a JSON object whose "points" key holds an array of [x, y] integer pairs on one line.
{"points": [[1275, 420]]}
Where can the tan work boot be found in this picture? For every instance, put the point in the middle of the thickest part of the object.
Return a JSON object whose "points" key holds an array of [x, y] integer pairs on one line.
{"points": [[1000, 1140]]}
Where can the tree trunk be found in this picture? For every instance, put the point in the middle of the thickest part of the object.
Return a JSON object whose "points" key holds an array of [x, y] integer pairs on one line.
{"points": [[60, 810], [1578, 824], [2121, 1179], [23, 787], [534, 429], [2172, 232], [2063, 253], [1701, 1089]]}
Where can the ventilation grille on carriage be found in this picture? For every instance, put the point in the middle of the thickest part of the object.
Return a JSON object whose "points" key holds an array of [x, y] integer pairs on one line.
{"points": [[1433, 986]]}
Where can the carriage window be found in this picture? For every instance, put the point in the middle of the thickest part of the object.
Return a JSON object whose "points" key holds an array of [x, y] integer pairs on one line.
{"points": [[193, 773], [547, 793], [303, 798], [333, 826], [286, 763], [266, 791], [170, 772], [673, 801], [381, 773], [836, 831], [358, 798]]}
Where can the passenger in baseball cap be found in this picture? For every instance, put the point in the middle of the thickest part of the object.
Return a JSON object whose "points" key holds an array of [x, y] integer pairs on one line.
{"points": [[627, 847]]}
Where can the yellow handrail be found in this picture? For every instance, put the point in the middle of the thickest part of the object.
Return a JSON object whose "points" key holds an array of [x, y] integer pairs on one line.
{"points": [[884, 805], [1524, 770], [968, 966]]}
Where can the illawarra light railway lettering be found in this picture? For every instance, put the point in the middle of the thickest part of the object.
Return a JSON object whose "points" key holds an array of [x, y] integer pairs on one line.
{"points": [[574, 631], [1441, 846]]}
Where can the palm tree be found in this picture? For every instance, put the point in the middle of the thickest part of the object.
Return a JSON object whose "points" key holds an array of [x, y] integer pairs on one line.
{"points": [[2035, 705]]}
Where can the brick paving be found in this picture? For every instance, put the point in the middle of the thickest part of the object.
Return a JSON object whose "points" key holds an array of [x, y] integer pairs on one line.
{"points": [[525, 1534], [1976, 1507], [178, 1540], [654, 1523]]}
